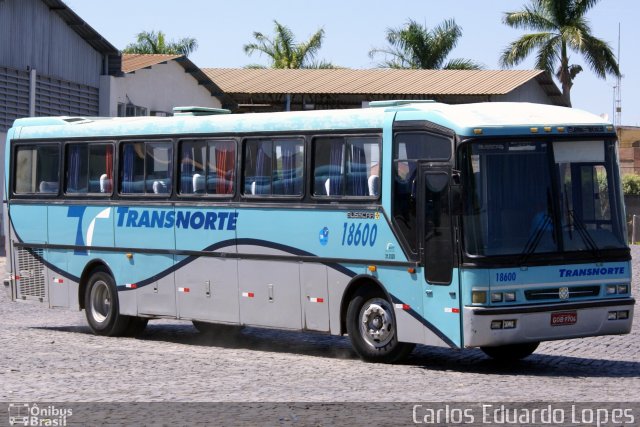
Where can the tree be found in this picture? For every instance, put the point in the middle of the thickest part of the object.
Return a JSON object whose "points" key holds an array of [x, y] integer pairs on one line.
{"points": [[561, 26], [150, 42], [415, 46], [285, 52]]}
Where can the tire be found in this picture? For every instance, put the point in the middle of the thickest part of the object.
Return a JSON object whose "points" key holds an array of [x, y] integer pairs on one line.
{"points": [[371, 326], [510, 352], [101, 306]]}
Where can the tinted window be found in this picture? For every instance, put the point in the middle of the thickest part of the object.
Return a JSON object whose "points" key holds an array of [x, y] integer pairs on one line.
{"points": [[422, 146], [346, 166], [207, 167], [37, 169], [408, 149], [146, 167], [273, 167], [89, 168]]}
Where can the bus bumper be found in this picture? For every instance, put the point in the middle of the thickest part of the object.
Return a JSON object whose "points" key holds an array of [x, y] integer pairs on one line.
{"points": [[546, 322]]}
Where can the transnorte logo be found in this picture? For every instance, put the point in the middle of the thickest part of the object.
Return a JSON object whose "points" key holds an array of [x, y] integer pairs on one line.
{"points": [[136, 218], [151, 218]]}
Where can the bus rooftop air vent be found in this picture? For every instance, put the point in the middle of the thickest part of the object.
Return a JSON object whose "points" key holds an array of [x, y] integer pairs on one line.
{"points": [[399, 102], [198, 111]]}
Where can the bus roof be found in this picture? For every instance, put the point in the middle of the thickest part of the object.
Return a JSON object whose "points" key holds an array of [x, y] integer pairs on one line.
{"points": [[464, 119], [496, 118]]}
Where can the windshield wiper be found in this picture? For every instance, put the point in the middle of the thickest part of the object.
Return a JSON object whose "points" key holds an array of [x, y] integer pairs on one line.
{"points": [[584, 233], [534, 239]]}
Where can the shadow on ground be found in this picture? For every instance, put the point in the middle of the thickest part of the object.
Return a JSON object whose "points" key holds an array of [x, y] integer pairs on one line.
{"points": [[423, 357]]}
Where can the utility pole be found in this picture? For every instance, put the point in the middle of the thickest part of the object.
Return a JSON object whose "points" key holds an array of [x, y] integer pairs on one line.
{"points": [[617, 101]]}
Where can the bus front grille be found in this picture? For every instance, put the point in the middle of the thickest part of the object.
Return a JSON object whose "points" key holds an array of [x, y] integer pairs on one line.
{"points": [[31, 282], [555, 293]]}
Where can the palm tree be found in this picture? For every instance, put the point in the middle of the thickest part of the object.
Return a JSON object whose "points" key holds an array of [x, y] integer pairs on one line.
{"points": [[285, 52], [561, 26], [415, 46], [150, 42]]}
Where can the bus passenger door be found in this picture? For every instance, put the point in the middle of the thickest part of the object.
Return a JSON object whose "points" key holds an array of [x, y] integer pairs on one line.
{"points": [[441, 280]]}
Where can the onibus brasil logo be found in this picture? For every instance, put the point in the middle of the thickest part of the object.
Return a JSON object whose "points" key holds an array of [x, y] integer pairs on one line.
{"points": [[24, 414]]}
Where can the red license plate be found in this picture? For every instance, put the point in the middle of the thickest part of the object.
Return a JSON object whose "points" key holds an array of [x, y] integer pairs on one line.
{"points": [[564, 318]]}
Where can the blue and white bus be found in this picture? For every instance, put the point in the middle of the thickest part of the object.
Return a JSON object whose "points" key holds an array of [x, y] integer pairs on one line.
{"points": [[493, 225]]}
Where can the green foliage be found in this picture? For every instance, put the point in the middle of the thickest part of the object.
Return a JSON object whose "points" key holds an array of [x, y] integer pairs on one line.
{"points": [[285, 52], [631, 185], [414, 46], [559, 26], [150, 42]]}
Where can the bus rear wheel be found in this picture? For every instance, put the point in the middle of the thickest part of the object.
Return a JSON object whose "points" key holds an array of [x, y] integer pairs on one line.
{"points": [[101, 306], [371, 326], [511, 352]]}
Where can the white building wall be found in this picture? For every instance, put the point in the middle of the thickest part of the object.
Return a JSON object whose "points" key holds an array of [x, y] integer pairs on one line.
{"points": [[531, 91], [159, 88]]}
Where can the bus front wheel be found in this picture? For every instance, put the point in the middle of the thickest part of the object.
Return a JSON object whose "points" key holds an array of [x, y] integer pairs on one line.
{"points": [[371, 326], [511, 352], [101, 306]]}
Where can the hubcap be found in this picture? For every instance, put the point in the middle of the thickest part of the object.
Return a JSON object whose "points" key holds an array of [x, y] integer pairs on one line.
{"points": [[100, 301], [376, 322]]}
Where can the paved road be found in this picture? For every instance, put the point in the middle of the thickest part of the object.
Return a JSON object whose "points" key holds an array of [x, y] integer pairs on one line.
{"points": [[50, 355]]}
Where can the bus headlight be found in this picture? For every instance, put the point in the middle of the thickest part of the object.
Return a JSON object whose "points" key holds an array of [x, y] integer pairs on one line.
{"points": [[623, 289], [496, 296], [479, 297], [509, 296], [611, 289]]}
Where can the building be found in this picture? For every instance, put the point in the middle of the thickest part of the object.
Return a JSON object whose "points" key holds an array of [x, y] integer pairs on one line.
{"points": [[51, 62], [308, 89], [629, 137], [152, 85]]}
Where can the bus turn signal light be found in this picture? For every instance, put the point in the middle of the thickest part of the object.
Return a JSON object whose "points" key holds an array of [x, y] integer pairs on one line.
{"points": [[372, 268]]}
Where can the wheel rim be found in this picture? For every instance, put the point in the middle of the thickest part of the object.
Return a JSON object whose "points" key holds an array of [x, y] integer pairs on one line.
{"points": [[100, 301], [376, 323]]}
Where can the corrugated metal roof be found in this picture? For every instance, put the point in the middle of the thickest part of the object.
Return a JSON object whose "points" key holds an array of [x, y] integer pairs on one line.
{"points": [[374, 81], [135, 61]]}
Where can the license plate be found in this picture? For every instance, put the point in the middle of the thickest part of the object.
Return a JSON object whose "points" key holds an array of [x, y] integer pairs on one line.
{"points": [[564, 318]]}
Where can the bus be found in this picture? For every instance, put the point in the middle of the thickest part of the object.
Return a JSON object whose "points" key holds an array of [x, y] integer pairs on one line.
{"points": [[490, 225]]}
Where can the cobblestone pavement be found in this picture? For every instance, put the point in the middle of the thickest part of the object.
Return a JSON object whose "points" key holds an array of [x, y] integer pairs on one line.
{"points": [[50, 355]]}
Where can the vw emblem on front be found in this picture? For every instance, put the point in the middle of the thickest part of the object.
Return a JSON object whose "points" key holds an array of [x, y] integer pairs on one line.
{"points": [[563, 293]]}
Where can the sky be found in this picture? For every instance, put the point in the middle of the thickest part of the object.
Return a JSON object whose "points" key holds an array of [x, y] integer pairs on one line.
{"points": [[353, 27]]}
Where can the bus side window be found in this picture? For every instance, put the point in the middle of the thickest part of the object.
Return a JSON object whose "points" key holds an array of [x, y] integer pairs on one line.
{"points": [[258, 165], [146, 167], [37, 169], [347, 166], [273, 167], [207, 167], [89, 168], [221, 167]]}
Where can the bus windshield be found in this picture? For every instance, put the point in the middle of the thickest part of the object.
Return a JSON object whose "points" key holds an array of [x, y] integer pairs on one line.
{"points": [[546, 196]]}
